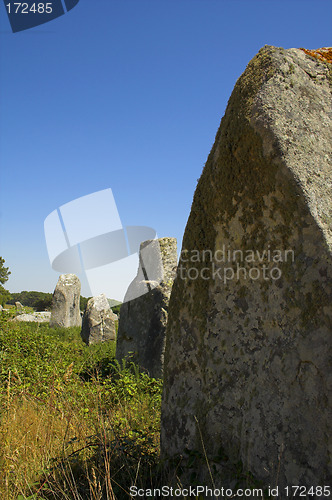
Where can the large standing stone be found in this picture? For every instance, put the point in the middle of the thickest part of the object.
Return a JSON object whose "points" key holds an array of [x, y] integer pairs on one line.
{"points": [[98, 324], [143, 315], [66, 302], [248, 352]]}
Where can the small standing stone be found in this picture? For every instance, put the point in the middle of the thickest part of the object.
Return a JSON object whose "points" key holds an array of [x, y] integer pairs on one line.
{"points": [[66, 302], [98, 323]]}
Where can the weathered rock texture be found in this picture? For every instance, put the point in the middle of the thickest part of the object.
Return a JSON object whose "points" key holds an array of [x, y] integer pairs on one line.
{"points": [[98, 324], [251, 358], [66, 302], [143, 320], [38, 317]]}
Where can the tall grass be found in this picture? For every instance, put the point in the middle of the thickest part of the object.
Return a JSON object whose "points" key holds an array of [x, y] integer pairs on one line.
{"points": [[73, 423]]}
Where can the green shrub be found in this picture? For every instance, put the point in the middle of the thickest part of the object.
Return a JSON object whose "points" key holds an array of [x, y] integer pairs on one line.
{"points": [[66, 410]]}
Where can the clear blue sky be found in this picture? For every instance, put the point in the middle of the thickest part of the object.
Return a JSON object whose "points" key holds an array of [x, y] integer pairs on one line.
{"points": [[127, 95]]}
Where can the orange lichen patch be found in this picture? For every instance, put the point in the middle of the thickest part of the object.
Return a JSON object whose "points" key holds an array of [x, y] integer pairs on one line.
{"points": [[324, 54]]}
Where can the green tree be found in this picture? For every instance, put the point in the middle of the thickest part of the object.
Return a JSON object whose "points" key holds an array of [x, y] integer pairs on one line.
{"points": [[83, 302], [4, 275], [43, 304], [116, 309]]}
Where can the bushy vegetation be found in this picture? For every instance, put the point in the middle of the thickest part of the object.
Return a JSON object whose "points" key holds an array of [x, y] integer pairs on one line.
{"points": [[83, 302], [4, 275], [73, 422], [116, 309]]}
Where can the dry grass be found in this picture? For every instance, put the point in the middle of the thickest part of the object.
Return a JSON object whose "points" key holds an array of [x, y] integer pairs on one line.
{"points": [[47, 452], [73, 425], [31, 436]]}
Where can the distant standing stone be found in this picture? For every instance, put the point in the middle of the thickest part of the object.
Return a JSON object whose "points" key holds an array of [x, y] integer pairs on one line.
{"points": [[143, 318], [19, 306], [98, 323], [66, 302], [38, 317]]}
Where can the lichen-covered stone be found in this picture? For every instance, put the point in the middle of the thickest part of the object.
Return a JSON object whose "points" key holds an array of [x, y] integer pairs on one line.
{"points": [[38, 317], [143, 315], [98, 324], [66, 302], [323, 54], [248, 360]]}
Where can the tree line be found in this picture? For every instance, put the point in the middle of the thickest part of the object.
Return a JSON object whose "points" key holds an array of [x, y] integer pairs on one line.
{"points": [[4, 275], [39, 301]]}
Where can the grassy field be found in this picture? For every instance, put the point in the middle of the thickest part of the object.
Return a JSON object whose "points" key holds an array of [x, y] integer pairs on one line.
{"points": [[73, 422]]}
